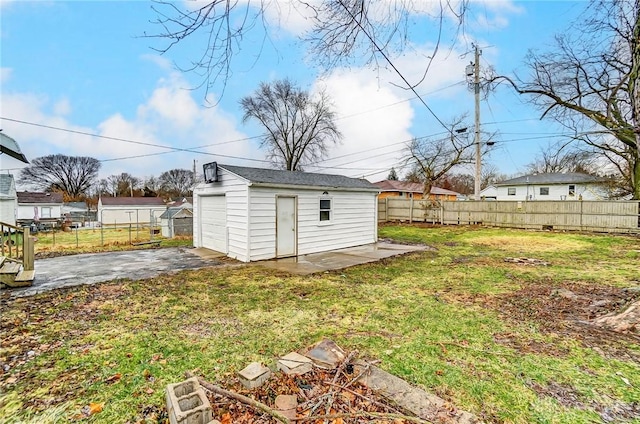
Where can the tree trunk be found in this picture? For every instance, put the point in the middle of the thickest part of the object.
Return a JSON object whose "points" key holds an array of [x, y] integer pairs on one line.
{"points": [[634, 82]]}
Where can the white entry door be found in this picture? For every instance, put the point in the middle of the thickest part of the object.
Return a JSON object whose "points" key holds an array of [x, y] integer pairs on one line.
{"points": [[213, 223], [286, 226]]}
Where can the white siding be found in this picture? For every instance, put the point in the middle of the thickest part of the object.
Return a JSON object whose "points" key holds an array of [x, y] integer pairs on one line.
{"points": [[236, 193], [125, 215], [27, 211], [556, 192], [353, 221], [8, 211]]}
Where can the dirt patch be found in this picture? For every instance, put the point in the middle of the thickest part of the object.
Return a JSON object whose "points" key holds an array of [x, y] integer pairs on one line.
{"points": [[569, 309], [567, 396]]}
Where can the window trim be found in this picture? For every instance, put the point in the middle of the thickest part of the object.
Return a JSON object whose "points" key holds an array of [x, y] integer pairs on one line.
{"points": [[511, 191], [321, 210], [49, 210]]}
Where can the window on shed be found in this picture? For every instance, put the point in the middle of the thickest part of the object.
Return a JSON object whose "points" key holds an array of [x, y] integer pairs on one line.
{"points": [[45, 212], [511, 191], [572, 190], [544, 191], [325, 209]]}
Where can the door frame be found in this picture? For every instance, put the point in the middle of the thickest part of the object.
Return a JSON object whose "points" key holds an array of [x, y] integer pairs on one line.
{"points": [[295, 225]]}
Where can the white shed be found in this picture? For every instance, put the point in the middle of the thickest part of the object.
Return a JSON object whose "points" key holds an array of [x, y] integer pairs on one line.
{"points": [[253, 214]]}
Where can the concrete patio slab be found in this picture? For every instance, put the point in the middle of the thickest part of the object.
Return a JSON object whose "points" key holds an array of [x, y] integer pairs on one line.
{"points": [[91, 268], [341, 258]]}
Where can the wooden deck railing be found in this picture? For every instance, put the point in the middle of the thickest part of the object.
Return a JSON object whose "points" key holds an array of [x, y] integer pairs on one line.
{"points": [[17, 245]]}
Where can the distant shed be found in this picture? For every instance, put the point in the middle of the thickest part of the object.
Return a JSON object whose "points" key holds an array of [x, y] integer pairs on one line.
{"points": [[130, 210], [254, 214]]}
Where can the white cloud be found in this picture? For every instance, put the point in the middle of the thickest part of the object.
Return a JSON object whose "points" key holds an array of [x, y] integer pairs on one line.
{"points": [[62, 107], [169, 117], [373, 130], [5, 74]]}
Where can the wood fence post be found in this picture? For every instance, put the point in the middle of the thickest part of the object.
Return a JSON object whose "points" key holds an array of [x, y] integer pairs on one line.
{"points": [[410, 210]]}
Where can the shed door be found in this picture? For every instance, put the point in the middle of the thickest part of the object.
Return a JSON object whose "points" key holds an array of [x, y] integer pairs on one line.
{"points": [[286, 226], [213, 223]]}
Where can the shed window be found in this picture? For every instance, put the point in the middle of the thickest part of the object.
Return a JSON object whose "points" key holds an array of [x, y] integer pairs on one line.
{"points": [[325, 209], [544, 191], [511, 191], [572, 190], [45, 212]]}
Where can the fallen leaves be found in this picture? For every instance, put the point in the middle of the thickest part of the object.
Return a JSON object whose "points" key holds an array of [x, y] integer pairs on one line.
{"points": [[114, 378]]}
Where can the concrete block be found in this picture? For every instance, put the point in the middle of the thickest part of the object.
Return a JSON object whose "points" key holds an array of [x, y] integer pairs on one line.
{"points": [[294, 363], [187, 403], [326, 354], [254, 375]]}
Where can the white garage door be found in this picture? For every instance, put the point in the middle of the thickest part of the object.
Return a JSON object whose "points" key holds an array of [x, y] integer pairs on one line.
{"points": [[213, 223]]}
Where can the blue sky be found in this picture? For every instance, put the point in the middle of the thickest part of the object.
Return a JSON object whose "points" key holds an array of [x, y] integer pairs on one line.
{"points": [[84, 66]]}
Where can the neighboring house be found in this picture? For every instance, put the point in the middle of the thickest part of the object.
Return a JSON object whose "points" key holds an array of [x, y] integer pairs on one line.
{"points": [[186, 202], [253, 214], [489, 193], [130, 210], [177, 221], [408, 190], [8, 199], [45, 208], [553, 186]]}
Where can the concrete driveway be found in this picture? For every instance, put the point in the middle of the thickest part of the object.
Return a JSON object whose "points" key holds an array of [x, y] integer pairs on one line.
{"points": [[91, 268]]}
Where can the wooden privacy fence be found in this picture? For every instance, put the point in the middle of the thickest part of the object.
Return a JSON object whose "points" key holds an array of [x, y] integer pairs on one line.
{"points": [[604, 216]]}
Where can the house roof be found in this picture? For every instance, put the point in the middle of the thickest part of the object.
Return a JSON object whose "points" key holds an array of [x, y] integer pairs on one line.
{"points": [[298, 178], [9, 146], [76, 205], [6, 185], [406, 186], [172, 212], [39, 197], [553, 178], [132, 201]]}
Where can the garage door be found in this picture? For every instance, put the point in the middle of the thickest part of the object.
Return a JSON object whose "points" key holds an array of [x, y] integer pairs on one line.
{"points": [[213, 223]]}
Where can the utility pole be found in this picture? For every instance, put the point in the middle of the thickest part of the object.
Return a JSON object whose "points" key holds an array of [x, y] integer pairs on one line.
{"points": [[476, 90]]}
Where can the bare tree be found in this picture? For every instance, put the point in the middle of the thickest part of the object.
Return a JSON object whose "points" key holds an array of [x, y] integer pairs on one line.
{"points": [[71, 175], [299, 127], [176, 182], [589, 83], [434, 158], [123, 184], [342, 30], [565, 158]]}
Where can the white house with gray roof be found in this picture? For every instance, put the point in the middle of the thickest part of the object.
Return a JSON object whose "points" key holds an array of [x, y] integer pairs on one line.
{"points": [[553, 186], [253, 214]]}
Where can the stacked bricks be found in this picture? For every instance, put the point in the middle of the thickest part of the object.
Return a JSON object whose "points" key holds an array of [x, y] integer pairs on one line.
{"points": [[188, 404]]}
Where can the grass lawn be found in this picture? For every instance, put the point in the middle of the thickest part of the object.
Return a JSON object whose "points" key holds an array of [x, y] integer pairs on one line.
{"points": [[511, 343]]}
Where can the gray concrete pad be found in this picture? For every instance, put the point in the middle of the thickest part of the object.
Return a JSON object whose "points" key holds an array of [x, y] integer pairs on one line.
{"points": [[91, 268], [341, 258]]}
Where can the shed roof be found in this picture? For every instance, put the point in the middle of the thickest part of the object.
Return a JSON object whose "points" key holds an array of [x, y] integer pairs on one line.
{"points": [[553, 178], [132, 201], [39, 197], [172, 212], [406, 186], [298, 178], [7, 187]]}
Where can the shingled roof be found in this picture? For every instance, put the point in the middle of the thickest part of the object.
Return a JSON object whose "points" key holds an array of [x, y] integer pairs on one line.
{"points": [[298, 178], [6, 184], [27, 197], [132, 201], [553, 178]]}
